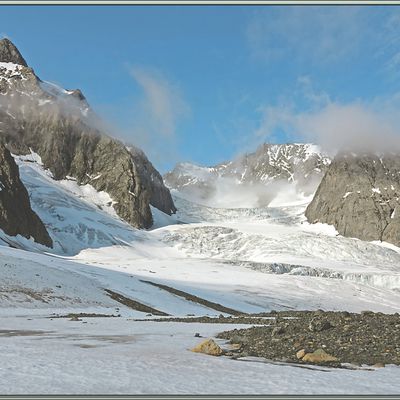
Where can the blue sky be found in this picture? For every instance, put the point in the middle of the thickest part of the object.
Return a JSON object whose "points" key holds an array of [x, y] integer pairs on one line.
{"points": [[203, 84]]}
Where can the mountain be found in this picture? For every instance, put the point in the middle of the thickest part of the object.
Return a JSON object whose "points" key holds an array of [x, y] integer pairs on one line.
{"points": [[16, 214], [262, 173], [10, 54], [359, 195], [59, 125]]}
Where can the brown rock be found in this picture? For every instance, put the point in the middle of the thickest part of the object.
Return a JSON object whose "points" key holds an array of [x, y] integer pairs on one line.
{"points": [[209, 347], [300, 354], [319, 356], [236, 346]]}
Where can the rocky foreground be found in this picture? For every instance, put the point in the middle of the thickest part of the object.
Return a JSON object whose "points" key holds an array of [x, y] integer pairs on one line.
{"points": [[308, 337], [318, 337]]}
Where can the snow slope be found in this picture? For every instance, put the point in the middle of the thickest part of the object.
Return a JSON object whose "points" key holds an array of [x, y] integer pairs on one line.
{"points": [[247, 259], [76, 216], [125, 357]]}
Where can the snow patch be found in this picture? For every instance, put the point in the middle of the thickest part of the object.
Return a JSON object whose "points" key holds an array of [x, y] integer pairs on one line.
{"points": [[347, 194]]}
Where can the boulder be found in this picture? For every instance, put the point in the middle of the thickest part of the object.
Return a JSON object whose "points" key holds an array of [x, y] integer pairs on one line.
{"points": [[318, 356], [209, 347], [319, 325], [300, 354]]}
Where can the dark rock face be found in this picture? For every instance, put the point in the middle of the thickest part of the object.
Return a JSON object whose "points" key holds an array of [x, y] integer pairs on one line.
{"points": [[59, 126], [160, 197], [359, 195], [16, 215], [9, 53]]}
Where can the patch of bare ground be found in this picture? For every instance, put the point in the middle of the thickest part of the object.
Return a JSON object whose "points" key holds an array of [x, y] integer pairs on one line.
{"points": [[195, 299], [11, 333], [245, 319], [45, 295], [134, 304], [85, 315]]}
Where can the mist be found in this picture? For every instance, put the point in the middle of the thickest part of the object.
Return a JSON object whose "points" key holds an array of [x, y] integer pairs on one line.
{"points": [[228, 192]]}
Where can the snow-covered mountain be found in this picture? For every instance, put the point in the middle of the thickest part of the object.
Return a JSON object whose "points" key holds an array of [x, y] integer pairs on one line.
{"points": [[253, 179], [72, 141]]}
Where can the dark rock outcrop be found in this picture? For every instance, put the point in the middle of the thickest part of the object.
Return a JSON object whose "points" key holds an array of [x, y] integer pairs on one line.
{"points": [[359, 195], [16, 214], [160, 197], [9, 53], [59, 125]]}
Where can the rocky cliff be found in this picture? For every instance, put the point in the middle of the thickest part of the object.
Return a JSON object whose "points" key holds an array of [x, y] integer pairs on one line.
{"points": [[359, 195], [16, 214], [59, 125]]}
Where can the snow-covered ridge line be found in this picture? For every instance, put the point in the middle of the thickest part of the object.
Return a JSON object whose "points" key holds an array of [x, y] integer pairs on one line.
{"points": [[273, 172]]}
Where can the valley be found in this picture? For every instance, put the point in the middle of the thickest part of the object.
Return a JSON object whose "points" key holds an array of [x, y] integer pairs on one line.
{"points": [[115, 279]]}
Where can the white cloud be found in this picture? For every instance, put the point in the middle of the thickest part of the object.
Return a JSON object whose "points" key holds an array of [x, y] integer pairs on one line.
{"points": [[305, 88], [157, 115], [355, 126], [162, 106]]}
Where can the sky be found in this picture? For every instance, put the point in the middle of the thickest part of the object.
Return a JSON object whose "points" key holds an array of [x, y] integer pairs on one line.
{"points": [[203, 84]]}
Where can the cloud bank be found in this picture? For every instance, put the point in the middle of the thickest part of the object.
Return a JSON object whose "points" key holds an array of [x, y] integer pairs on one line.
{"points": [[355, 126]]}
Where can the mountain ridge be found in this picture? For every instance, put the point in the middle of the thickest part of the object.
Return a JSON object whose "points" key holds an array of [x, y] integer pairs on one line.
{"points": [[61, 128], [301, 165]]}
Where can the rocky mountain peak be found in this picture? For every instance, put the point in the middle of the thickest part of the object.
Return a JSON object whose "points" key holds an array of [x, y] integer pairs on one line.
{"points": [[10, 54], [59, 126], [299, 164]]}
